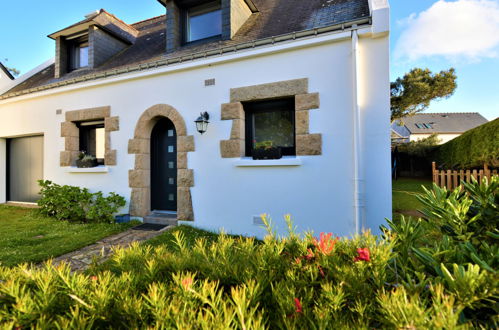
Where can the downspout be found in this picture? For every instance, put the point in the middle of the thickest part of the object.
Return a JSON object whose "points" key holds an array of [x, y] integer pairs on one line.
{"points": [[358, 180]]}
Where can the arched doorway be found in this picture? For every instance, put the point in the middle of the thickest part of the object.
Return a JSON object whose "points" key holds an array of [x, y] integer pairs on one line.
{"points": [[164, 166], [140, 177]]}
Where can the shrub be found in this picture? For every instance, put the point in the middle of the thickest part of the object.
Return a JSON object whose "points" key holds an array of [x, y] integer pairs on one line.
{"points": [[455, 244], [412, 277], [77, 204], [420, 148], [474, 148]]}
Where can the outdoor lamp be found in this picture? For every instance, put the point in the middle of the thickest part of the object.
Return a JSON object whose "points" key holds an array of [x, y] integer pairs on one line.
{"points": [[202, 122]]}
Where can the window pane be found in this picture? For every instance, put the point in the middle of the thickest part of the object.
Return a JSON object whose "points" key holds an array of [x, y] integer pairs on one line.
{"points": [[204, 25], [83, 56], [99, 142], [275, 126]]}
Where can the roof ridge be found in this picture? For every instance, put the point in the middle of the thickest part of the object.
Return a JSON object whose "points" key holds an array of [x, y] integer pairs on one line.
{"points": [[115, 17], [147, 19], [444, 113]]}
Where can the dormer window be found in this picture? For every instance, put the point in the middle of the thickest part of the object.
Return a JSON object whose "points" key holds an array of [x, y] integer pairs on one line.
{"points": [[203, 21], [78, 53]]}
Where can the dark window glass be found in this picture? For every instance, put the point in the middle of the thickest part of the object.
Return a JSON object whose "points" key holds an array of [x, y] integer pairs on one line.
{"points": [[78, 53], [271, 121], [92, 139], [203, 21]]}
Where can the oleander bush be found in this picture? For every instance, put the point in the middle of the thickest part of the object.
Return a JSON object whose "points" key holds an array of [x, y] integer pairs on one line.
{"points": [[437, 272], [77, 204]]}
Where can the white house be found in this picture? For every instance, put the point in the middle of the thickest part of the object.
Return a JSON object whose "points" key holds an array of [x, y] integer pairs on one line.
{"points": [[446, 126], [310, 76]]}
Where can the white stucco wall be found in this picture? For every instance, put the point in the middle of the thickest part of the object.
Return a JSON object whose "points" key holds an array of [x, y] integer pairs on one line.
{"points": [[318, 194], [443, 137], [374, 98]]}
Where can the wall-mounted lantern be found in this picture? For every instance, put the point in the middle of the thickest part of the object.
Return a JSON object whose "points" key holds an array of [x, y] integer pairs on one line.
{"points": [[202, 122]]}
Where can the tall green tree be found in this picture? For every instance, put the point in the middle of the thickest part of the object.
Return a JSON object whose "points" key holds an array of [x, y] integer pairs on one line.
{"points": [[416, 89]]}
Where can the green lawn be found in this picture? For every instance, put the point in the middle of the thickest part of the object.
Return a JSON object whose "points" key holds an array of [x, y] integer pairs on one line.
{"points": [[26, 236], [403, 194]]}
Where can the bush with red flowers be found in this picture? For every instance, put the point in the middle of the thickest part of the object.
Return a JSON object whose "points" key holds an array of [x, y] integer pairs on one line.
{"points": [[428, 274]]}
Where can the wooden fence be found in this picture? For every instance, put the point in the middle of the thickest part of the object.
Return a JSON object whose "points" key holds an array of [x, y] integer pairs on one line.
{"points": [[452, 178]]}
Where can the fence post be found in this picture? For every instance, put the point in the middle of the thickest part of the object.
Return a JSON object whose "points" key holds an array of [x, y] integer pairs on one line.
{"points": [[434, 172], [486, 171]]}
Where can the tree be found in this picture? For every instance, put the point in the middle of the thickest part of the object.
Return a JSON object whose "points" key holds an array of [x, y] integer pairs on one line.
{"points": [[414, 92]]}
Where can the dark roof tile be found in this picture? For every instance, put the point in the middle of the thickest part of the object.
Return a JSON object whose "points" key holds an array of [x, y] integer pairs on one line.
{"points": [[274, 18]]}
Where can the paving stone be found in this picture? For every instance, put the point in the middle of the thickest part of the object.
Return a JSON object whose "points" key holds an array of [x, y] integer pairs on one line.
{"points": [[103, 249]]}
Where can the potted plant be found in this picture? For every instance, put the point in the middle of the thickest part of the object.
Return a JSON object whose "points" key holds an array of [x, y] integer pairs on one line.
{"points": [[265, 150], [85, 161]]}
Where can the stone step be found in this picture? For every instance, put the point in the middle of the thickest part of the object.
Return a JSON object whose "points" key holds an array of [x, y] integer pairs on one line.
{"points": [[161, 219]]}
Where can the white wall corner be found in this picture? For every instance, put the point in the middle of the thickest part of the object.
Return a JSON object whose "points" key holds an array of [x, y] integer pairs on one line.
{"points": [[3, 170], [380, 13]]}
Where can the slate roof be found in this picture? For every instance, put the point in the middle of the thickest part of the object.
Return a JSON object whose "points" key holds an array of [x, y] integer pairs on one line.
{"points": [[451, 122], [274, 18]]}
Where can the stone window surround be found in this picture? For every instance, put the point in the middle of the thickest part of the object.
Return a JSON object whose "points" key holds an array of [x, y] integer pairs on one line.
{"points": [[306, 143], [139, 178], [71, 133]]}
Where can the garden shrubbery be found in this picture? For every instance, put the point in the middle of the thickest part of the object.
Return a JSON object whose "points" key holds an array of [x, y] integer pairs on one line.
{"points": [[437, 272], [77, 204], [472, 149]]}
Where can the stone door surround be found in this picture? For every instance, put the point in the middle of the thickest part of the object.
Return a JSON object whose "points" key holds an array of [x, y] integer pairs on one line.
{"points": [[71, 133], [139, 178], [306, 143]]}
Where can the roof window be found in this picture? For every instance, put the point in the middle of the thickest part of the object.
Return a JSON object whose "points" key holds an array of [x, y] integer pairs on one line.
{"points": [[203, 21]]}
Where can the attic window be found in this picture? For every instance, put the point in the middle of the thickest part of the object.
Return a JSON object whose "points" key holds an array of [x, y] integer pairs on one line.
{"points": [[203, 21], [78, 53]]}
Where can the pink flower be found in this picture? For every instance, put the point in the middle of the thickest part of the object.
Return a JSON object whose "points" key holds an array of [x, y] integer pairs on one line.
{"points": [[310, 254], [325, 244], [93, 278], [187, 282], [298, 307], [363, 254]]}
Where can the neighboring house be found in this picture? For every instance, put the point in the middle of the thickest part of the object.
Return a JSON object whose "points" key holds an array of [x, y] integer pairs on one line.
{"points": [[446, 125], [311, 76], [6, 77]]}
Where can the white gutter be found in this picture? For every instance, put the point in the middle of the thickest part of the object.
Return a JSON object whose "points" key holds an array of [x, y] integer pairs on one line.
{"points": [[358, 180], [149, 71], [225, 54]]}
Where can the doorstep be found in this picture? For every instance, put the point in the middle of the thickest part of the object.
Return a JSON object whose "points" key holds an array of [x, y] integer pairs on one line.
{"points": [[159, 218]]}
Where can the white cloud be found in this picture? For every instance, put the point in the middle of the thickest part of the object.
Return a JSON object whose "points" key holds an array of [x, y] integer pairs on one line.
{"points": [[462, 29]]}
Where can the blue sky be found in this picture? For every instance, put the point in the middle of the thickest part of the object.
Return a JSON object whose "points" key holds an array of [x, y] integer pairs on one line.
{"points": [[463, 34]]}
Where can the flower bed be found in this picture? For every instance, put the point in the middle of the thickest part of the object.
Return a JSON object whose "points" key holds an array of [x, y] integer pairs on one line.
{"points": [[433, 273]]}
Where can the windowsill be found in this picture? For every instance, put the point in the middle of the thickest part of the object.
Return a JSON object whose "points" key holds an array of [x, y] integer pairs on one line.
{"points": [[284, 161], [97, 169]]}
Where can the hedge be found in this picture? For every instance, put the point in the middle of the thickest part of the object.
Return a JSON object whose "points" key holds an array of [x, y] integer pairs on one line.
{"points": [[474, 148]]}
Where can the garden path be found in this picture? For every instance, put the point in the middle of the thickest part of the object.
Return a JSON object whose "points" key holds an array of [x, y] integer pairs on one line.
{"points": [[100, 251]]}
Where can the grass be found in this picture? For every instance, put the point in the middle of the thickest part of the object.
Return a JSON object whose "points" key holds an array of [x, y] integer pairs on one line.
{"points": [[191, 234], [27, 236], [404, 192]]}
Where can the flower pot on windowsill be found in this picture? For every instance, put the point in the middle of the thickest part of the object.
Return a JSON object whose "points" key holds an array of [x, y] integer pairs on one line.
{"points": [[86, 163], [267, 153]]}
